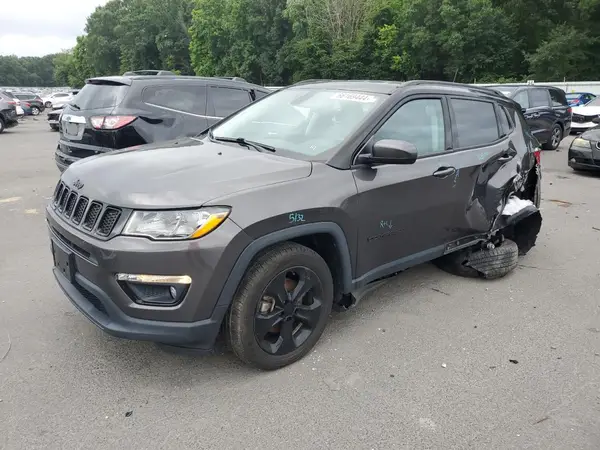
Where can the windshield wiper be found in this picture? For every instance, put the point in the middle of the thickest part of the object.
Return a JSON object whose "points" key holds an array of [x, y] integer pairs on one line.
{"points": [[255, 145], [73, 105]]}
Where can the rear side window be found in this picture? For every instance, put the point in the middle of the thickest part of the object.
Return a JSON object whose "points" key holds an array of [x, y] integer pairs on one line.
{"points": [[60, 95], [95, 96], [475, 122], [558, 98], [226, 101], [190, 99], [505, 123], [539, 97]]}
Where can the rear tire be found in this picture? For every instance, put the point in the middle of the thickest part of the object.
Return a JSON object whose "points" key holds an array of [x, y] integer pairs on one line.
{"points": [[556, 136], [491, 264], [48, 105], [247, 320], [2, 126], [54, 127], [35, 111]]}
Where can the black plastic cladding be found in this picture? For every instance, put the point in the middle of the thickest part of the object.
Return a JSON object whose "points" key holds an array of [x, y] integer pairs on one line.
{"points": [[93, 217]]}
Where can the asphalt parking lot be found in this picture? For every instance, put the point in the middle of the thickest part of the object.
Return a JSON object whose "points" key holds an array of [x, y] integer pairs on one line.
{"points": [[424, 361]]}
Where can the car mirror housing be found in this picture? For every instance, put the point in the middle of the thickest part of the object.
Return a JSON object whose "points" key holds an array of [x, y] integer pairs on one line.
{"points": [[389, 151]]}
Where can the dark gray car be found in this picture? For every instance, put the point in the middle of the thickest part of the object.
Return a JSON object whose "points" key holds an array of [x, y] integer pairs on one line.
{"points": [[280, 212], [8, 112]]}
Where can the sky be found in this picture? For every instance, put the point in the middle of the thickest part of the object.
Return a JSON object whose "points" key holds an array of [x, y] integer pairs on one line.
{"points": [[41, 27]]}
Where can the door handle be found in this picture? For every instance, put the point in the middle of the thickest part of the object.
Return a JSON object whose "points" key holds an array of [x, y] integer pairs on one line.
{"points": [[443, 172], [506, 157]]}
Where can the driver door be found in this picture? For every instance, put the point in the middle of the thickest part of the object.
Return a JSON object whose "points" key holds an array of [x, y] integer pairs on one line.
{"points": [[407, 213]]}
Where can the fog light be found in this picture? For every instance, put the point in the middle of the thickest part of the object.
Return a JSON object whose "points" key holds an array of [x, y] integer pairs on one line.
{"points": [[155, 290]]}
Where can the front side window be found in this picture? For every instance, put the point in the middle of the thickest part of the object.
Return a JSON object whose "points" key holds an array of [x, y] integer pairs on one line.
{"points": [[419, 122], [475, 122], [538, 98], [226, 101], [303, 120]]}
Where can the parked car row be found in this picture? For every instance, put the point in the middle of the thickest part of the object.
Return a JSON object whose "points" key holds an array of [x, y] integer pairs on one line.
{"points": [[8, 112]]}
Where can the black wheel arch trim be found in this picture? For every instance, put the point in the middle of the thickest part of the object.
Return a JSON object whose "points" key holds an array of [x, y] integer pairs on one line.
{"points": [[248, 254]]}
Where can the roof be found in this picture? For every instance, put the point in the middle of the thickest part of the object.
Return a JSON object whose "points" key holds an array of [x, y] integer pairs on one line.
{"points": [[126, 80]]}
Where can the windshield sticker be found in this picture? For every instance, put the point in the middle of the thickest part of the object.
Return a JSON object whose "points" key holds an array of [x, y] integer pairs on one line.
{"points": [[354, 97]]}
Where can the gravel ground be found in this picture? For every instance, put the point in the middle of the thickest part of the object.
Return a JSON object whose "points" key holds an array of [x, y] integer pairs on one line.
{"points": [[424, 361]]}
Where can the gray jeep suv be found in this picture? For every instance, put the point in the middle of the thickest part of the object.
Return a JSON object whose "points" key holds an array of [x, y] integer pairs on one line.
{"points": [[263, 223]]}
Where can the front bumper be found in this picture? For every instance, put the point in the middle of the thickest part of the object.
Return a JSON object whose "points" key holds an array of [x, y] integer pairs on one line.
{"points": [[86, 268], [584, 158]]}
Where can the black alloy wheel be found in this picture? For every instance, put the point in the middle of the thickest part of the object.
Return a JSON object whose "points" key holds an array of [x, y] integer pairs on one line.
{"points": [[289, 311], [281, 306], [555, 138]]}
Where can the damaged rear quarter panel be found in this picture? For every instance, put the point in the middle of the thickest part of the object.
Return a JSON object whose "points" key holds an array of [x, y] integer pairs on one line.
{"points": [[503, 172]]}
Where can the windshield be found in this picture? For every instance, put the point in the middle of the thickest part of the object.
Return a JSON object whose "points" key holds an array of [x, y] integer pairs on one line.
{"points": [[572, 96], [506, 90], [301, 120], [595, 102]]}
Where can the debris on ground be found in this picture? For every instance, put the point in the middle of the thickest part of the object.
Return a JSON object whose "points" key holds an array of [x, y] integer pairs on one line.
{"points": [[8, 349], [444, 365], [562, 203], [128, 413], [514, 361]]}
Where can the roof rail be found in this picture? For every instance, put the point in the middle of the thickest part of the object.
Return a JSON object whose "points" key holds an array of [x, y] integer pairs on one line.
{"points": [[312, 80], [483, 89], [148, 72], [233, 79]]}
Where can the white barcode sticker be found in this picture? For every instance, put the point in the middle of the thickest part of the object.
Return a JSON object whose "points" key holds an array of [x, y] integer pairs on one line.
{"points": [[354, 97]]}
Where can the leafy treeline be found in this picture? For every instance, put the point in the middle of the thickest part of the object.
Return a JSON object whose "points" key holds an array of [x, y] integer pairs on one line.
{"points": [[28, 71], [275, 42]]}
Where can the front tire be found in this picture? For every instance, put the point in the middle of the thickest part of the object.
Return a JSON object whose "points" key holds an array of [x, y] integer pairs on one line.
{"points": [[48, 105], [556, 136], [281, 307]]}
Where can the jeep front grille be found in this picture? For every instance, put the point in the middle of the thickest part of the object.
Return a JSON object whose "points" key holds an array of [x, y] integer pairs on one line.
{"points": [[91, 216]]}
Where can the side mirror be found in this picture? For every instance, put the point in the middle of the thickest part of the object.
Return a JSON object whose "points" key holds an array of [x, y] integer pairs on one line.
{"points": [[389, 151], [523, 110], [596, 120]]}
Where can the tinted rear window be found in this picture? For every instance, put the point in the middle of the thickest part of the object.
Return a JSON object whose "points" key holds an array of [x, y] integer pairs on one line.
{"points": [[558, 97], [475, 122], [95, 96]]}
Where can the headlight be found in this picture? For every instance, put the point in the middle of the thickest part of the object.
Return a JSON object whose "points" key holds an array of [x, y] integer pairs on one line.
{"points": [[176, 225], [582, 143]]}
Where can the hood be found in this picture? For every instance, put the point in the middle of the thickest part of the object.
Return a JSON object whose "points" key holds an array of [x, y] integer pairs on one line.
{"points": [[586, 110], [593, 134], [186, 174]]}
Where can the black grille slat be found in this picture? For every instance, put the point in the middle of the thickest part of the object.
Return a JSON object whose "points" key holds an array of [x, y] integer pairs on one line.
{"points": [[80, 210], [92, 215], [71, 202], [64, 195], [108, 221], [58, 191]]}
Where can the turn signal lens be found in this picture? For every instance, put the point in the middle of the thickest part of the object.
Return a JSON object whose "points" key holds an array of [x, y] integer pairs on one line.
{"points": [[111, 122]]}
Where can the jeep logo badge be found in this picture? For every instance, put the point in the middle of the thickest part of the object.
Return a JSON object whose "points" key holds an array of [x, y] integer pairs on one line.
{"points": [[78, 184]]}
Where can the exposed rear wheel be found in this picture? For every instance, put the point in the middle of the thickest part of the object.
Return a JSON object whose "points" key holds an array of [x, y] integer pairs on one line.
{"points": [[486, 263], [2, 126], [35, 111], [281, 307]]}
